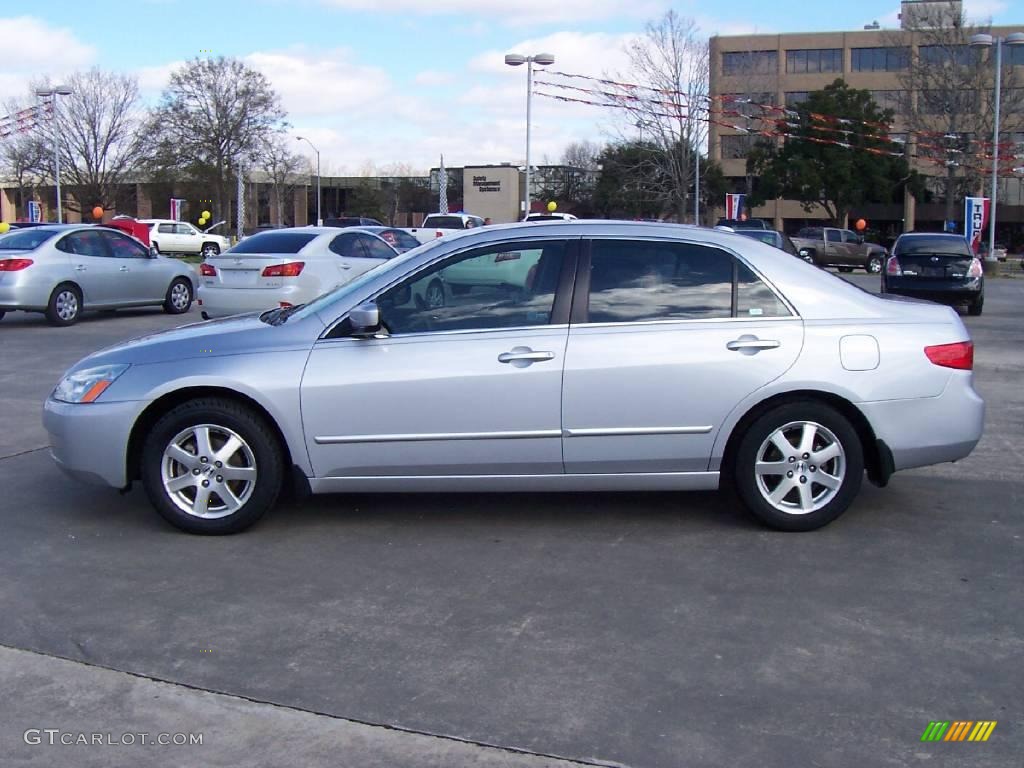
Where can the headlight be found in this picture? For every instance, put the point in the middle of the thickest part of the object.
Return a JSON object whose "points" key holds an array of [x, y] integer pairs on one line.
{"points": [[86, 385]]}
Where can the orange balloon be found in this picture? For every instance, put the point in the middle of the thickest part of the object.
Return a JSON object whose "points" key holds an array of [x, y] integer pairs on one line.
{"points": [[861, 225], [97, 212]]}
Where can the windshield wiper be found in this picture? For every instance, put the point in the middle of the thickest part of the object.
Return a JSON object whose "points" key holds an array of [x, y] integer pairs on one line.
{"points": [[280, 315]]}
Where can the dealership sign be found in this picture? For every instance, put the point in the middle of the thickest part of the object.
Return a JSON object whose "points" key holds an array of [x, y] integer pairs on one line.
{"points": [[976, 213]]}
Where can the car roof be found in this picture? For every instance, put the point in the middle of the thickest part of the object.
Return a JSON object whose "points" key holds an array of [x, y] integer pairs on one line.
{"points": [[933, 234]]}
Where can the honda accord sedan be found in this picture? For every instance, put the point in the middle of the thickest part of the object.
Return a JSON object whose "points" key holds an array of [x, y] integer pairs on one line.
{"points": [[631, 357]]}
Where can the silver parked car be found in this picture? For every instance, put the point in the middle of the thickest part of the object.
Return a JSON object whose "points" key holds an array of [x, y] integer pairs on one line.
{"points": [[630, 357], [65, 269]]}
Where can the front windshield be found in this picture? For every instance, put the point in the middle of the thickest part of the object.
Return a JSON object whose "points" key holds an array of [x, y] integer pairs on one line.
{"points": [[324, 300], [26, 239]]}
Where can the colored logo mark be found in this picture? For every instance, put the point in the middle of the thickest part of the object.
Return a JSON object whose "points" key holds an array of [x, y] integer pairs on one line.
{"points": [[958, 730]]}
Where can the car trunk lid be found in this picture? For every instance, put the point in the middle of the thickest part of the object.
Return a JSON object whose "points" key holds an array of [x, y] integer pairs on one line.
{"points": [[248, 270], [938, 266]]}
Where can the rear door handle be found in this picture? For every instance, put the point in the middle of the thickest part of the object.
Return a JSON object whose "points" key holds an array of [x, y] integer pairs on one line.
{"points": [[124, 269], [751, 345], [521, 357], [80, 268]]}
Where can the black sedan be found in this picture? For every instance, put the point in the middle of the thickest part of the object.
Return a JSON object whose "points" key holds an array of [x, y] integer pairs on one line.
{"points": [[939, 267]]}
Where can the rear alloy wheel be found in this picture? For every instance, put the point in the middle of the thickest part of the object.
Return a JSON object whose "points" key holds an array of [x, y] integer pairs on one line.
{"points": [[799, 466], [179, 297], [874, 265], [65, 305], [212, 466], [975, 307], [209, 250], [434, 297]]}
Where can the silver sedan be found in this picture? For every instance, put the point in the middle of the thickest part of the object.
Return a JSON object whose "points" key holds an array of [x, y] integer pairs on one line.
{"points": [[627, 357], [63, 270]]}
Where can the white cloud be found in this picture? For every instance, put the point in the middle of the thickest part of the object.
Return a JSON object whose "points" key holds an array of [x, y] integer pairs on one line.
{"points": [[313, 83], [519, 12], [590, 53], [431, 78], [32, 48], [984, 10]]}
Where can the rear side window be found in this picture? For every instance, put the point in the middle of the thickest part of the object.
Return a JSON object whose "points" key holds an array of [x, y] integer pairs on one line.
{"points": [[632, 281], [399, 239], [166, 229], [377, 249], [275, 242], [444, 222], [637, 281]]}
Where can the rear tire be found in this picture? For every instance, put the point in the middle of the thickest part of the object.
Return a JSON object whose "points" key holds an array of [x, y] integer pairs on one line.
{"points": [[975, 307], [209, 249], [179, 297], [874, 265], [155, 247], [434, 296], [238, 482], [799, 466], [65, 305]]}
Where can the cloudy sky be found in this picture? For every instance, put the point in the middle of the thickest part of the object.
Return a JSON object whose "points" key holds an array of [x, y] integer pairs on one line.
{"points": [[375, 83]]}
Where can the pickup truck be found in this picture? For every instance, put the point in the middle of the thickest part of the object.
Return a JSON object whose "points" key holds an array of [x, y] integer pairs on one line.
{"points": [[440, 224], [842, 248]]}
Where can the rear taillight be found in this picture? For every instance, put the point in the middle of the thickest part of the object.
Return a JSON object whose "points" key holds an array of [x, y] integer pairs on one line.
{"points": [[291, 269], [438, 233], [892, 267], [975, 269], [14, 265], [207, 270], [959, 355]]}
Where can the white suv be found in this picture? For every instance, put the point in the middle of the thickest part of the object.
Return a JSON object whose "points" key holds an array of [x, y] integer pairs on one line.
{"points": [[169, 236]]}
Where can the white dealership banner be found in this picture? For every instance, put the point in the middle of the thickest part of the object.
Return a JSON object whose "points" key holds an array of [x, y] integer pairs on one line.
{"points": [[976, 213]]}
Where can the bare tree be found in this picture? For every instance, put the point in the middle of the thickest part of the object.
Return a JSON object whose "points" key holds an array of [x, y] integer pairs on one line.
{"points": [[670, 61], [952, 91], [285, 171], [581, 154], [214, 114], [101, 138], [22, 156]]}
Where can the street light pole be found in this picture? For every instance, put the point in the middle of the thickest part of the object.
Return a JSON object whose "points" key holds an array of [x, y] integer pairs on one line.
{"points": [[319, 218], [60, 90], [986, 41], [516, 60]]}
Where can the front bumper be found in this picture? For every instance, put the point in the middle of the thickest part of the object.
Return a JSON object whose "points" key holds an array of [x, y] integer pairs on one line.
{"points": [[224, 302], [930, 430], [89, 441]]}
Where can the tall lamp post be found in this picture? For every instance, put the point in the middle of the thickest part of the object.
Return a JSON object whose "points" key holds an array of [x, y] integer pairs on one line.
{"points": [[319, 218], [43, 93], [515, 60], [987, 41]]}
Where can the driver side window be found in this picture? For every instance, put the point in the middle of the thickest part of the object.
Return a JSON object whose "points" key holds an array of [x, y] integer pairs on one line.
{"points": [[503, 286]]}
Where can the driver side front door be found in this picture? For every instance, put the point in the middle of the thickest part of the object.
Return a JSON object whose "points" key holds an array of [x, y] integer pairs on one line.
{"points": [[471, 387]]}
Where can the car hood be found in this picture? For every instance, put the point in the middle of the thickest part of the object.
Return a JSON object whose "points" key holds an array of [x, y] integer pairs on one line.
{"points": [[238, 335]]}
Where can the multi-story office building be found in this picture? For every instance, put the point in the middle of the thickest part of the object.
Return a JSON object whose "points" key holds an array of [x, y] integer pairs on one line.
{"points": [[782, 69]]}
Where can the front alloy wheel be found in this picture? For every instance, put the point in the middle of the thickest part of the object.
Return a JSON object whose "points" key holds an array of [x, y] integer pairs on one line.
{"points": [[799, 466], [212, 466]]}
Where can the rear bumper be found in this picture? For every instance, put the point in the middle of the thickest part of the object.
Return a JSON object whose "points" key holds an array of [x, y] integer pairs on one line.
{"points": [[930, 430], [19, 291], [224, 302], [935, 290]]}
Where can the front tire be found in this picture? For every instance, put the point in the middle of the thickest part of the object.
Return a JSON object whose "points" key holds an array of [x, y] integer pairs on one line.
{"points": [[212, 466], [65, 305], [179, 297], [799, 466]]}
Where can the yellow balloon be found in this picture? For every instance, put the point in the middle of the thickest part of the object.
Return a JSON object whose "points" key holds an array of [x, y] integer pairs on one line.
{"points": [[206, 214], [4, 227], [552, 206]]}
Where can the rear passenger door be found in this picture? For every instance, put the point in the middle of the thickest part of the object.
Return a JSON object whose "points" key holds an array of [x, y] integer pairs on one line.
{"points": [[851, 249], [666, 338]]}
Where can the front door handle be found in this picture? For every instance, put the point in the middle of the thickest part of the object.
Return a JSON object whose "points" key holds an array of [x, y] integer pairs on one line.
{"points": [[124, 269], [751, 345], [346, 266], [520, 357], [80, 268]]}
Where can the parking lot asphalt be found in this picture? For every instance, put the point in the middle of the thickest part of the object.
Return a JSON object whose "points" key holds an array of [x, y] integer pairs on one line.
{"points": [[613, 629]]}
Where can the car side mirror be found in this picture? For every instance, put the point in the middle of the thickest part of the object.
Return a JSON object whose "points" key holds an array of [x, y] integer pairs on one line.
{"points": [[365, 320]]}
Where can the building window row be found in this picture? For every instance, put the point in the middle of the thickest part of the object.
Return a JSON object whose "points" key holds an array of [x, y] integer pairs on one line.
{"points": [[814, 60], [747, 104], [890, 59], [750, 63], [897, 101], [796, 97], [737, 146]]}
